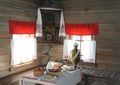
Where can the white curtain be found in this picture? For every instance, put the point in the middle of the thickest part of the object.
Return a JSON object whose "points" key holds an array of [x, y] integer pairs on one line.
{"points": [[66, 49], [88, 51], [23, 49], [68, 46]]}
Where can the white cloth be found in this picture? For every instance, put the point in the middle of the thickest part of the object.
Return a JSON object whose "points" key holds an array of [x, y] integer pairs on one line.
{"points": [[50, 65], [39, 24], [65, 78], [62, 25]]}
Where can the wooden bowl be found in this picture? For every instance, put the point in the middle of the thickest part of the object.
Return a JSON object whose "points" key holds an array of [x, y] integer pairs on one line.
{"points": [[38, 72]]}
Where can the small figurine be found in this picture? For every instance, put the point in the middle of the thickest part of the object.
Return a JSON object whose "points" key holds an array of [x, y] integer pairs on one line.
{"points": [[75, 55]]}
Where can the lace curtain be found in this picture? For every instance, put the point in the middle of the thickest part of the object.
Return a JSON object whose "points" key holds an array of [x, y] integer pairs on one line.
{"points": [[87, 50], [23, 49]]}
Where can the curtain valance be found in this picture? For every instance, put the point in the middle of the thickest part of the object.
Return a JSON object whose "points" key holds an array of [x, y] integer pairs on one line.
{"points": [[21, 27], [81, 29]]}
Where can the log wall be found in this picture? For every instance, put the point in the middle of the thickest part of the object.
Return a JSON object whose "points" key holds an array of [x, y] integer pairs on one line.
{"points": [[105, 13], [21, 10]]}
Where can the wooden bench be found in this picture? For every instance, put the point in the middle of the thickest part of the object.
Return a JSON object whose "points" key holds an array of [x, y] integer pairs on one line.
{"points": [[107, 77]]}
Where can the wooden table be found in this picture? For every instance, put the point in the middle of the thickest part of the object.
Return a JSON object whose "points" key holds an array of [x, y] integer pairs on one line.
{"points": [[65, 78]]}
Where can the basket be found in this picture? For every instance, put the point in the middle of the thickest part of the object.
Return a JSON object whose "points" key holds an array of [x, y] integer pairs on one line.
{"points": [[38, 72]]}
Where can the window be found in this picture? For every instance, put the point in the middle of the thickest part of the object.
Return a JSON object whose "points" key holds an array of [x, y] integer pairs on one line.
{"points": [[87, 46], [84, 35], [23, 48]]}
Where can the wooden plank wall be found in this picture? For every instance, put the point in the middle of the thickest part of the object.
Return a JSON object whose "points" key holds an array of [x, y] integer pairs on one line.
{"points": [[106, 13], [21, 10]]}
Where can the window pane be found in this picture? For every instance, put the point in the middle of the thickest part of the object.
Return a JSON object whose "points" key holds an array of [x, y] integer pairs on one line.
{"points": [[88, 37], [87, 47], [75, 37]]}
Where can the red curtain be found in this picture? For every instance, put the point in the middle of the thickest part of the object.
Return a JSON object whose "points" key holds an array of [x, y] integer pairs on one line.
{"points": [[21, 27], [82, 29]]}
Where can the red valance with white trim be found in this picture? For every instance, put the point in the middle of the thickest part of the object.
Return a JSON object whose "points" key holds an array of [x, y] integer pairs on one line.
{"points": [[21, 27], [82, 29]]}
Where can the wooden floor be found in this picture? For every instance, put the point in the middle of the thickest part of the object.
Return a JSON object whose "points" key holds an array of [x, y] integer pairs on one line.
{"points": [[13, 79]]}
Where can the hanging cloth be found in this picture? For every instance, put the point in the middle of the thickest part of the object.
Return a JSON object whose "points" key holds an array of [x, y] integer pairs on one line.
{"points": [[39, 24], [62, 25]]}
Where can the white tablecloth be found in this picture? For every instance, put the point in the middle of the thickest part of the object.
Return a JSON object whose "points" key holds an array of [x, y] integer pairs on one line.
{"points": [[65, 78]]}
